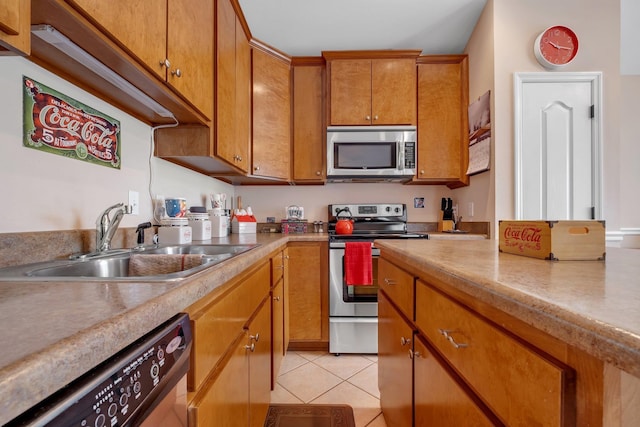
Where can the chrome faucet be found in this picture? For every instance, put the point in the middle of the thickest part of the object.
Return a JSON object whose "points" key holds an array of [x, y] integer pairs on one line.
{"points": [[106, 226]]}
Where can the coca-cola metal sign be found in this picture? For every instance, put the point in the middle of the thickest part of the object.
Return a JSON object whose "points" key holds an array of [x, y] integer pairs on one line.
{"points": [[58, 124]]}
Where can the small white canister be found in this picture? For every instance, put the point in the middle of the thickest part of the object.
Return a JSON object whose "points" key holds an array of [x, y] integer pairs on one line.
{"points": [[219, 223], [200, 226]]}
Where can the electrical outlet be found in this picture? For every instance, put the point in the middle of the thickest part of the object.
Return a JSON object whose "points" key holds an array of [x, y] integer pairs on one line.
{"points": [[134, 202]]}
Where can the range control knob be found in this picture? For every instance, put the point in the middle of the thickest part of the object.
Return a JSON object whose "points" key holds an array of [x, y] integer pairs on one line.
{"points": [[397, 209]]}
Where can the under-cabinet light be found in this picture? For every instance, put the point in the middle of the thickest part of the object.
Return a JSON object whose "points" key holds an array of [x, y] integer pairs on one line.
{"points": [[55, 38]]}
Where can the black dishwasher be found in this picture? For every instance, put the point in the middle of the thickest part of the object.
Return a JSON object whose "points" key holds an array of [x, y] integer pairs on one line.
{"points": [[142, 385]]}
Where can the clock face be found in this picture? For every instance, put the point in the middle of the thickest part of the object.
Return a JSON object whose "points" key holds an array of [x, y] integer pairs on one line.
{"points": [[556, 46]]}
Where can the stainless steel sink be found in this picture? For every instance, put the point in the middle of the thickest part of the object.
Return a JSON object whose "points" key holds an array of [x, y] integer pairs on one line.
{"points": [[115, 266]]}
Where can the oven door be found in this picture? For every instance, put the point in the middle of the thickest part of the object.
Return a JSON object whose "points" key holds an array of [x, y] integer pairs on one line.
{"points": [[351, 301]]}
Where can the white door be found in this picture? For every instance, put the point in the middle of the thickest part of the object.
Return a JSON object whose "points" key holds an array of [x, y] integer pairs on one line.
{"points": [[557, 145]]}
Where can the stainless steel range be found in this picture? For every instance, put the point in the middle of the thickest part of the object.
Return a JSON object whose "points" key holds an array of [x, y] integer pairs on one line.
{"points": [[353, 310]]}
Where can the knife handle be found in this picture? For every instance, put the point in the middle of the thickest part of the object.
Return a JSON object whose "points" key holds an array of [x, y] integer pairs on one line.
{"points": [[443, 204]]}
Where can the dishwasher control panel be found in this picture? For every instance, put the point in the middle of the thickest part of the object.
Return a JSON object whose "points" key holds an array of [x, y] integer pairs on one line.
{"points": [[124, 389]]}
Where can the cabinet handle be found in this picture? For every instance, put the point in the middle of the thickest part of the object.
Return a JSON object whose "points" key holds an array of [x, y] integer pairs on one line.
{"points": [[165, 63], [368, 118], [414, 354], [447, 334], [286, 257], [177, 73], [257, 168], [255, 337], [421, 172], [390, 281], [318, 173], [375, 117], [276, 298], [251, 347], [404, 341]]}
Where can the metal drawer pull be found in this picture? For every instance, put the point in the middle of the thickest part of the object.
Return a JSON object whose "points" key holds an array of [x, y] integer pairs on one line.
{"points": [[251, 347], [404, 341], [255, 337], [390, 281], [414, 354], [276, 298], [447, 334]]}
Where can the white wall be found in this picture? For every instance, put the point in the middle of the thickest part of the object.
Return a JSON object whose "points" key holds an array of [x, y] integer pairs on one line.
{"points": [[514, 27], [45, 192]]}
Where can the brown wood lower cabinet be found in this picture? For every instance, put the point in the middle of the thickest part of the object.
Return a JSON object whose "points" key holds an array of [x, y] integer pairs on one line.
{"points": [[395, 371], [467, 368], [308, 295], [519, 383], [230, 374]]}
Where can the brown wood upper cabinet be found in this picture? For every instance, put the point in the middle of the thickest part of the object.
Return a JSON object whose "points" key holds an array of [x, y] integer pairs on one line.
{"points": [[15, 22], [309, 146], [271, 142], [371, 87], [443, 137], [233, 88], [170, 48]]}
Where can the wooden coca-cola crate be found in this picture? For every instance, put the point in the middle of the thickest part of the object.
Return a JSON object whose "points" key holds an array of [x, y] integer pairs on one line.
{"points": [[554, 240]]}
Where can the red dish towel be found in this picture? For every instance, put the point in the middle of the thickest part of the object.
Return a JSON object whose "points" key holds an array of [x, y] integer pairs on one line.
{"points": [[357, 263]]}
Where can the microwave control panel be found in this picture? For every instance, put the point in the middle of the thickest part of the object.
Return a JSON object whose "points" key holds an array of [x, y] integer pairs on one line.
{"points": [[409, 155]]}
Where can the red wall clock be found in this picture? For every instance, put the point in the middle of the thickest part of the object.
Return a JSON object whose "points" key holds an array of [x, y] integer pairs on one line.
{"points": [[555, 47]]}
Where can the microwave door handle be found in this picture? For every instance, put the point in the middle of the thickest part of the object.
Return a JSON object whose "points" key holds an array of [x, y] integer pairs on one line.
{"points": [[400, 156]]}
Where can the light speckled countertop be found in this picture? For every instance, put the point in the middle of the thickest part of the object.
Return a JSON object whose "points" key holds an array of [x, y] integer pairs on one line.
{"points": [[53, 332], [592, 305]]}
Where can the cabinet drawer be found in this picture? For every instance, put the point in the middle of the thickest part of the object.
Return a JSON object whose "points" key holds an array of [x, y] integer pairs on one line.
{"points": [[217, 326], [398, 285], [520, 385]]}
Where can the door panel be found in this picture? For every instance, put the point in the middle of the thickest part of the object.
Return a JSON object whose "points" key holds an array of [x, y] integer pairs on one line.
{"points": [[557, 160]]}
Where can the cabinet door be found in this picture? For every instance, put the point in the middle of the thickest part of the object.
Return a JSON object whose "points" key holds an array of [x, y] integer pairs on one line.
{"points": [[308, 294], [242, 142], [309, 141], [271, 144], [350, 82], [225, 401], [277, 329], [233, 88], [439, 399], [395, 373], [443, 138], [393, 88], [190, 50], [259, 332], [140, 26], [15, 21]]}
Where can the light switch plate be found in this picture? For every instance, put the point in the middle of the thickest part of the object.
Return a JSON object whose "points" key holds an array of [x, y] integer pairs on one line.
{"points": [[134, 202]]}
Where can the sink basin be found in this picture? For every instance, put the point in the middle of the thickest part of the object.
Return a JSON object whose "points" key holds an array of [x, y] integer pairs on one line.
{"points": [[116, 266]]}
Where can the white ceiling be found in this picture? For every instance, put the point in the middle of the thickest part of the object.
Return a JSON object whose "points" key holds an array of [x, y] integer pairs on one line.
{"points": [[306, 28]]}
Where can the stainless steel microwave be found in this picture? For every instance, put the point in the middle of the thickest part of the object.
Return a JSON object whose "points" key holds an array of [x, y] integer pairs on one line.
{"points": [[371, 153]]}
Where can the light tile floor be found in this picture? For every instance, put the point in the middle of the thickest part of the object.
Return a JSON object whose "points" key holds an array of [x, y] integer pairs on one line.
{"points": [[323, 378]]}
